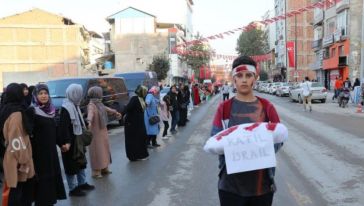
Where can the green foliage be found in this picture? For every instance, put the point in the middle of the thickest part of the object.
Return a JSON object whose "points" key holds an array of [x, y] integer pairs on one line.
{"points": [[161, 66], [263, 76], [252, 42], [196, 61]]}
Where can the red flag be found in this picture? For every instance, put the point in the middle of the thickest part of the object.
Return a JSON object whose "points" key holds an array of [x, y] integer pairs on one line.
{"points": [[291, 54]]}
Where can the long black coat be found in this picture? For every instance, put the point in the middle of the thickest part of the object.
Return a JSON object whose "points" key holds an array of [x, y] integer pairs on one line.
{"points": [[65, 132], [49, 185], [135, 132]]}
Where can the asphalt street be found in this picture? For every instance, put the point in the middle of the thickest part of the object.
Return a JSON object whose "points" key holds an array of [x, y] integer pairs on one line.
{"points": [[320, 164]]}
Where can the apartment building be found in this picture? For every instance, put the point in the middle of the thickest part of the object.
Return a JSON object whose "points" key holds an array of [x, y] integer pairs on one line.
{"points": [[298, 32], [137, 35], [37, 45]]}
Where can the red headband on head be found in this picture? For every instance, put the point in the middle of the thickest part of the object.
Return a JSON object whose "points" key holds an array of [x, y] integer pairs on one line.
{"points": [[244, 67]]}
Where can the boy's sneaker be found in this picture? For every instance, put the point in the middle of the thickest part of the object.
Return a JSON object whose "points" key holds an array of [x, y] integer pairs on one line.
{"points": [[86, 186], [77, 192], [165, 137]]}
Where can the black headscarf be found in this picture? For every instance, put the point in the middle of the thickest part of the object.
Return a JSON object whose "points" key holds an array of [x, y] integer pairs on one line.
{"points": [[28, 99], [13, 102]]}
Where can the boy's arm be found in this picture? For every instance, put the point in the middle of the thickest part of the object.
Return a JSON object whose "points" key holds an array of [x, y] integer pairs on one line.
{"points": [[212, 145]]}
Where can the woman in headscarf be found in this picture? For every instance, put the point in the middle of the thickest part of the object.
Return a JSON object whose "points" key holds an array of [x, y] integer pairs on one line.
{"points": [[70, 125], [18, 161], [49, 185], [183, 109], [97, 114], [135, 133], [152, 102], [27, 95]]}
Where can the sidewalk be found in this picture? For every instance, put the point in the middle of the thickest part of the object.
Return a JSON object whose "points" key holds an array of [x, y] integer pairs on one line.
{"points": [[333, 107]]}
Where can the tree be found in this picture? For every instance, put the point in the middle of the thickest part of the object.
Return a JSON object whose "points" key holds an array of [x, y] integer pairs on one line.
{"points": [[252, 42], [198, 54], [160, 65]]}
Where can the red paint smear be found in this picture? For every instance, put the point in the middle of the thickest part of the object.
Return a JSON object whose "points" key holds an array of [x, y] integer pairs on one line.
{"points": [[226, 132], [271, 126], [252, 127]]}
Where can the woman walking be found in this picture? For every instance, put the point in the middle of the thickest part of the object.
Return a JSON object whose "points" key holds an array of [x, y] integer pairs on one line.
{"points": [[183, 110], [70, 126], [152, 102], [165, 105], [48, 182], [135, 133], [97, 114], [18, 161]]}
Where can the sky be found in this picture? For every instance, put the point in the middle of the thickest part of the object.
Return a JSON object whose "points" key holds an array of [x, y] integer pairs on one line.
{"points": [[209, 16]]}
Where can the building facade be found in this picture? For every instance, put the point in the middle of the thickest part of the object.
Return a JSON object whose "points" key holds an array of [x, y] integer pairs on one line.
{"points": [[297, 31], [37, 45], [136, 36]]}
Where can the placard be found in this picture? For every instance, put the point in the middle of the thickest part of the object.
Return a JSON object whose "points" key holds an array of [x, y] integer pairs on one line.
{"points": [[248, 151]]}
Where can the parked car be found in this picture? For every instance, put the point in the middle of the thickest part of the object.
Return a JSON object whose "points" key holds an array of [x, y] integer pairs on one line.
{"points": [[319, 92], [283, 89], [115, 94], [273, 88], [133, 79]]}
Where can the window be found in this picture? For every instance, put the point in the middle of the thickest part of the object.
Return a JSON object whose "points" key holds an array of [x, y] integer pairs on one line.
{"points": [[326, 53], [341, 51], [330, 26], [333, 51], [341, 20]]}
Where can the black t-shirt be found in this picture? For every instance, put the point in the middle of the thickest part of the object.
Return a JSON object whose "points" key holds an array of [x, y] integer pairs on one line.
{"points": [[252, 183]]}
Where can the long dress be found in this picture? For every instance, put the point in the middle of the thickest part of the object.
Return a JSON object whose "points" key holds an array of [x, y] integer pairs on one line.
{"points": [[49, 185], [135, 133], [71, 166], [196, 96], [99, 149], [151, 110]]}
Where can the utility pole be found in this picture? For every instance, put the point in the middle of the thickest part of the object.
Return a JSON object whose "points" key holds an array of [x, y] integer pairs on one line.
{"points": [[285, 39], [295, 46]]}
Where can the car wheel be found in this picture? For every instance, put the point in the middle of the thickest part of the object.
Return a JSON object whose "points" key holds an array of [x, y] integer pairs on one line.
{"points": [[300, 99]]}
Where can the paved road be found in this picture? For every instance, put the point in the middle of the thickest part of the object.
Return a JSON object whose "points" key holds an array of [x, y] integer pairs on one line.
{"points": [[321, 164]]}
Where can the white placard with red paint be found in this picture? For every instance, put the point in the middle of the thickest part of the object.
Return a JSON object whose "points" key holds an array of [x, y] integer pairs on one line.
{"points": [[249, 150]]}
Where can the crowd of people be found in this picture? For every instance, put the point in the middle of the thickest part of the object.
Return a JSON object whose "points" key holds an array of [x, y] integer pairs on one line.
{"points": [[32, 129]]}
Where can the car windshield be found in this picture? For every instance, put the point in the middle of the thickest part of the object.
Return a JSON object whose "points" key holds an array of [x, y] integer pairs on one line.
{"points": [[57, 88], [132, 84]]}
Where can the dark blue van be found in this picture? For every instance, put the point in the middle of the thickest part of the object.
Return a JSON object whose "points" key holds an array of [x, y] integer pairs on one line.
{"points": [[133, 79], [115, 94]]}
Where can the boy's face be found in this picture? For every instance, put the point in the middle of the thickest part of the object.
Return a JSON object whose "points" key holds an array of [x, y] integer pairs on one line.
{"points": [[244, 82]]}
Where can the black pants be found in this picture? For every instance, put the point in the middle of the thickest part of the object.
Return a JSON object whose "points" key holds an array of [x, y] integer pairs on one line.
{"points": [[230, 199], [22, 194], [166, 126], [225, 96], [152, 138]]}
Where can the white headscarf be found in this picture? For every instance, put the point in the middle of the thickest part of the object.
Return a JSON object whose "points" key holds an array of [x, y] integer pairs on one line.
{"points": [[74, 94]]}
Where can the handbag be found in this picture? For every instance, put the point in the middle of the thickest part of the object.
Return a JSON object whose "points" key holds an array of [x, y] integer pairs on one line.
{"points": [[153, 119], [86, 136]]}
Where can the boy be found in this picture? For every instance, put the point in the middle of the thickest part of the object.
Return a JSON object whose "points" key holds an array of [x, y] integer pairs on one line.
{"points": [[253, 188]]}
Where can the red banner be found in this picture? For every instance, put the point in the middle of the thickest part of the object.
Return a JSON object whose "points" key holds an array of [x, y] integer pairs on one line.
{"points": [[291, 55]]}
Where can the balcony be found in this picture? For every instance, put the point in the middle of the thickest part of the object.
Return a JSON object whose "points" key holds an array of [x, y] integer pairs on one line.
{"points": [[316, 44], [342, 4], [328, 40], [318, 16]]}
